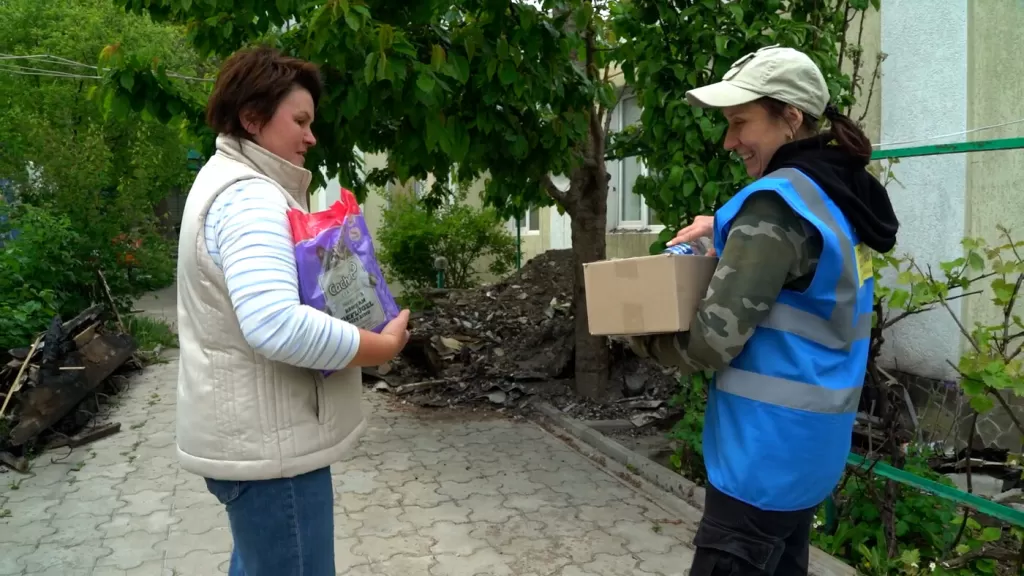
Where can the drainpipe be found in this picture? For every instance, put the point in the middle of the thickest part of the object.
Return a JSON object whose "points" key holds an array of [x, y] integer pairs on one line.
{"points": [[519, 244]]}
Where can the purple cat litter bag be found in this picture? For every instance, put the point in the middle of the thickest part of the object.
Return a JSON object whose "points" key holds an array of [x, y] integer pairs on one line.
{"points": [[337, 266]]}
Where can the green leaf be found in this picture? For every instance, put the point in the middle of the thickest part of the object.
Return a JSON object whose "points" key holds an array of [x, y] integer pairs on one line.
{"points": [[1003, 290], [434, 129], [425, 82], [127, 80], [675, 176], [382, 67], [352, 20], [721, 43], [437, 57], [368, 69], [948, 267], [991, 534], [508, 74], [737, 11], [502, 48], [982, 403], [689, 185], [975, 261], [582, 16], [899, 299], [667, 195]]}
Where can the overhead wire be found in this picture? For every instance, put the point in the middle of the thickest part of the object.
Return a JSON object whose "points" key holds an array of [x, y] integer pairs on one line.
{"points": [[950, 135], [66, 62]]}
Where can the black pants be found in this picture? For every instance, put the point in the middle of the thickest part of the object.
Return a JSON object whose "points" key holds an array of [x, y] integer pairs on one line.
{"points": [[737, 539]]}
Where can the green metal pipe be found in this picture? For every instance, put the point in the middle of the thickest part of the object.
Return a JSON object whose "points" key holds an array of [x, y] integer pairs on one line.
{"points": [[519, 244], [987, 507], [955, 148]]}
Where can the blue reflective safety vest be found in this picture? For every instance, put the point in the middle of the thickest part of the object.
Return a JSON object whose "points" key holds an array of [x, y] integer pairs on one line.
{"points": [[780, 416]]}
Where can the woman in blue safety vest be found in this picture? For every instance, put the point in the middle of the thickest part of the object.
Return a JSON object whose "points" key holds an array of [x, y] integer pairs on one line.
{"points": [[786, 321]]}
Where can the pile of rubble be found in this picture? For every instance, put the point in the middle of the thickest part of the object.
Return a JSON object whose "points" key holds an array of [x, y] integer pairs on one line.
{"points": [[510, 342], [51, 390]]}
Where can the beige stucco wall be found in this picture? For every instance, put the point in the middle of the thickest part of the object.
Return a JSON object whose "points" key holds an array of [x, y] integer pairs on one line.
{"points": [[629, 244], [868, 109], [995, 92]]}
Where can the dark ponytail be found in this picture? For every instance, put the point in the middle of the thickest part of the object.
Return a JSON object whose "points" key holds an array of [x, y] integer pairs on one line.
{"points": [[842, 128], [847, 134]]}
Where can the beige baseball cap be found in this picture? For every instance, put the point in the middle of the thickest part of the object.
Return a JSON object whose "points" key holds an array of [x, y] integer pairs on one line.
{"points": [[784, 74]]}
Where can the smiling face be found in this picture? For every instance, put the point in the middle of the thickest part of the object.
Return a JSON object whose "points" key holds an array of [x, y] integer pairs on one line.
{"points": [[755, 134], [288, 133]]}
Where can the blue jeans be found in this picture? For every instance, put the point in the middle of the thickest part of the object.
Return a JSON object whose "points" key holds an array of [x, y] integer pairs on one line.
{"points": [[281, 527]]}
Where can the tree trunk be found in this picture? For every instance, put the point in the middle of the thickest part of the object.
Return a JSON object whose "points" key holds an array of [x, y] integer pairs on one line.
{"points": [[588, 245]]}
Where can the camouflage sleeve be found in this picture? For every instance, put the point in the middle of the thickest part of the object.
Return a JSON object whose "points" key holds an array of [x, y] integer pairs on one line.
{"points": [[769, 246]]}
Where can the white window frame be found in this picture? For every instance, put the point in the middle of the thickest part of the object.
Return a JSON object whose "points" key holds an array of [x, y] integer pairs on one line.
{"points": [[421, 187], [644, 224], [531, 218]]}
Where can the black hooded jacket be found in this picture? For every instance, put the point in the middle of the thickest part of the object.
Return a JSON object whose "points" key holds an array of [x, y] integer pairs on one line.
{"points": [[860, 196]]}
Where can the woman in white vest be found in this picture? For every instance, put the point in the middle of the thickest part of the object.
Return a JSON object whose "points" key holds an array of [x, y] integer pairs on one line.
{"points": [[786, 321], [254, 416]]}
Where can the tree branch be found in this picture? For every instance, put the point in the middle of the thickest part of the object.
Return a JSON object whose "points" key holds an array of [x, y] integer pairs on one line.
{"points": [[888, 323], [871, 87], [606, 113], [945, 304], [595, 121], [842, 42], [994, 392], [1008, 312], [970, 486], [556, 194], [1006, 407], [619, 93], [995, 554]]}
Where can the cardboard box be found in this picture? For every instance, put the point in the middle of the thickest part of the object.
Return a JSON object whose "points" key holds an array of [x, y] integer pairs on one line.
{"points": [[645, 295]]}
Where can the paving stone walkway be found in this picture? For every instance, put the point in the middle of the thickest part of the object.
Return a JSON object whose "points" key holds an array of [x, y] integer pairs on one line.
{"points": [[435, 493]]}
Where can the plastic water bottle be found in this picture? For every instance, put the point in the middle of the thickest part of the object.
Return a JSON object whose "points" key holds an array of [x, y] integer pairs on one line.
{"points": [[686, 249]]}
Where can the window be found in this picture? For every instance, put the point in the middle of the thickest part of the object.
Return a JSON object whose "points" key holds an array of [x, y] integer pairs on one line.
{"points": [[631, 209], [529, 223]]}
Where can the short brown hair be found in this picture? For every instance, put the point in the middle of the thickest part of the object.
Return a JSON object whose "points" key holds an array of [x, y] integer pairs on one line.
{"points": [[257, 79]]}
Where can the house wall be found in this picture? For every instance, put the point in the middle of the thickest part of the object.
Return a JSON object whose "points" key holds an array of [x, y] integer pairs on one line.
{"points": [[995, 179], [995, 94], [924, 93]]}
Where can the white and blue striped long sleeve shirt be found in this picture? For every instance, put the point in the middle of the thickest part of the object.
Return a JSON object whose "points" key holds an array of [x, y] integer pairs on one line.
{"points": [[249, 238]]}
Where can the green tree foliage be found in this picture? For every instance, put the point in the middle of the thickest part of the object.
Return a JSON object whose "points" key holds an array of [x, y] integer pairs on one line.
{"points": [[511, 91], [85, 183], [668, 48], [413, 235]]}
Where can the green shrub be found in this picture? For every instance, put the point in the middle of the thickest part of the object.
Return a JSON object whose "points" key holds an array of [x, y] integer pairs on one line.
{"points": [[688, 431], [38, 266], [50, 268], [412, 236]]}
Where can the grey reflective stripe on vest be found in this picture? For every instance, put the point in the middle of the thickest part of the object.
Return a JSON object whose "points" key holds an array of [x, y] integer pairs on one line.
{"points": [[839, 331], [814, 328], [788, 393]]}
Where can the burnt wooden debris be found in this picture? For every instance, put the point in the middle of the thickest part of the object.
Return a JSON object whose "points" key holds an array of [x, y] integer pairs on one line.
{"points": [[52, 389]]}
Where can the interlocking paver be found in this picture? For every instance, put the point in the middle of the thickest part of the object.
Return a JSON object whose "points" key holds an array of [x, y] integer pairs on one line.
{"points": [[459, 495], [58, 559]]}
